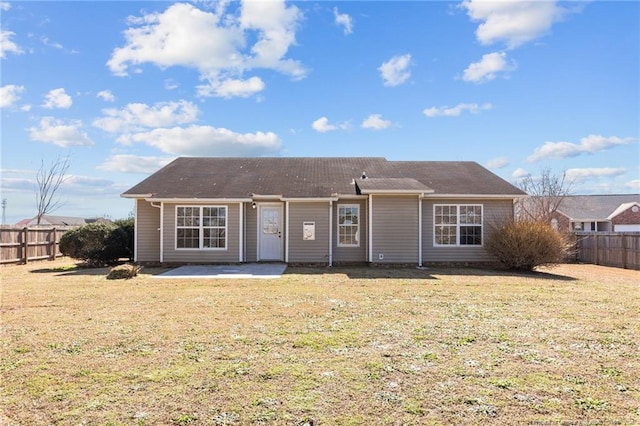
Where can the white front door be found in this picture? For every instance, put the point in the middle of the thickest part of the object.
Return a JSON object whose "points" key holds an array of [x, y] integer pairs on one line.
{"points": [[270, 232]]}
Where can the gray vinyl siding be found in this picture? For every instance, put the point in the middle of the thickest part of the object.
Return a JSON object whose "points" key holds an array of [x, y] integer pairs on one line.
{"points": [[312, 251], [351, 254], [250, 233], [494, 212], [395, 229], [230, 254], [147, 232]]}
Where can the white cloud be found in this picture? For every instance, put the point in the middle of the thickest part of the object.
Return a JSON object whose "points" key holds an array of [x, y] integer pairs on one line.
{"points": [[138, 116], [589, 173], [59, 133], [513, 22], [456, 110], [134, 164], [375, 122], [395, 71], [215, 43], [207, 141], [488, 68], [588, 145], [276, 26], [322, 125], [9, 95], [5, 6], [633, 184], [520, 173], [87, 181], [497, 163], [232, 88], [343, 20], [7, 45], [170, 84], [106, 96], [54, 44], [57, 98]]}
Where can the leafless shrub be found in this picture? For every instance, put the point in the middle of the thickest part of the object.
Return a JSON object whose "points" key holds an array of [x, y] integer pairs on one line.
{"points": [[524, 245]]}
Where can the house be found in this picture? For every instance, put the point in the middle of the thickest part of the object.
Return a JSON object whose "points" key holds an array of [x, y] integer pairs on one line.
{"points": [[318, 210], [598, 213], [51, 221]]}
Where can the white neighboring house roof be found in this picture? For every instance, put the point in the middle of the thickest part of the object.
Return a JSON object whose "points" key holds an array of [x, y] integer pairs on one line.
{"points": [[622, 208]]}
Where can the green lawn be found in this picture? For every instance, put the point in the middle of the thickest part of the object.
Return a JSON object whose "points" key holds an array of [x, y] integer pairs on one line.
{"points": [[347, 346]]}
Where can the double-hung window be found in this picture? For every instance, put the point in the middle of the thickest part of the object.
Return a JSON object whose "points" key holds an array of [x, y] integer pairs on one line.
{"points": [[201, 227], [348, 225], [457, 225]]}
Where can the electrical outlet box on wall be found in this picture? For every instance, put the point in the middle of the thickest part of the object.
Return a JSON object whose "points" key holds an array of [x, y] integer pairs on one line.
{"points": [[381, 256]]}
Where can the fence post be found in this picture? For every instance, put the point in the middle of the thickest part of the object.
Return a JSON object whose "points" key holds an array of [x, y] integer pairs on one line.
{"points": [[25, 244], [55, 244], [624, 250], [597, 259]]}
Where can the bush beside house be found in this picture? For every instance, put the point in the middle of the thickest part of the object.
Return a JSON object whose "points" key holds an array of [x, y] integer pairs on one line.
{"points": [[100, 243], [524, 245]]}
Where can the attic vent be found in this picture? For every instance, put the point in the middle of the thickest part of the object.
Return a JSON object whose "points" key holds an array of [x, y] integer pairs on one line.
{"points": [[364, 175]]}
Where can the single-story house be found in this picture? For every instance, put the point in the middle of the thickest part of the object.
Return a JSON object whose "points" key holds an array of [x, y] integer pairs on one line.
{"points": [[598, 213], [318, 210], [48, 221]]}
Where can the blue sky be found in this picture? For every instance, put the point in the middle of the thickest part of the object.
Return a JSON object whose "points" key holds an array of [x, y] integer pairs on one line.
{"points": [[122, 88]]}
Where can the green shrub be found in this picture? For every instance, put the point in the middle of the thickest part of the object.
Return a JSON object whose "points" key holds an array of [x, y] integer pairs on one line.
{"points": [[119, 242], [99, 243], [524, 245]]}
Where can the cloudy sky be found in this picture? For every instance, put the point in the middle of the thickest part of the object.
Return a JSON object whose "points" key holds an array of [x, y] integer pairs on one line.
{"points": [[122, 88]]}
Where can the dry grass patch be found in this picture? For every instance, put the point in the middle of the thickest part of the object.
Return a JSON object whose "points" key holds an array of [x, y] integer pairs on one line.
{"points": [[353, 346]]}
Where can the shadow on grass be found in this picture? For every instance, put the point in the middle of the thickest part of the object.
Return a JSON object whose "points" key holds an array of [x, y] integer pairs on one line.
{"points": [[77, 269], [363, 272], [353, 272], [423, 273]]}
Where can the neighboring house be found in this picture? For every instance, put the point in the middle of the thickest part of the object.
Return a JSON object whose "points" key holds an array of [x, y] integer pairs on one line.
{"points": [[49, 221], [598, 213], [318, 210]]}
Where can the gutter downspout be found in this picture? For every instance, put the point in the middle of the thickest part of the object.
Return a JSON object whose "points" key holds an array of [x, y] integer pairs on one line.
{"points": [[135, 231], [370, 228], [286, 237], [420, 197], [241, 232], [330, 233]]}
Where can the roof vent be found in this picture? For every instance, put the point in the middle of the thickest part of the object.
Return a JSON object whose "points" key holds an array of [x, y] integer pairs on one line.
{"points": [[364, 175]]}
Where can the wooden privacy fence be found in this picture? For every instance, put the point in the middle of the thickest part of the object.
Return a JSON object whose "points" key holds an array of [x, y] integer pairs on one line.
{"points": [[21, 245], [619, 249]]}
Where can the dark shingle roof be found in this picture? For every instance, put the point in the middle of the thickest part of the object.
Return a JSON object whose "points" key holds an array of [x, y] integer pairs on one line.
{"points": [[215, 177], [368, 185]]}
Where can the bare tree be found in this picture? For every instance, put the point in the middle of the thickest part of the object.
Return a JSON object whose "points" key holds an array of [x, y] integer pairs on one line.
{"points": [[48, 181], [546, 193]]}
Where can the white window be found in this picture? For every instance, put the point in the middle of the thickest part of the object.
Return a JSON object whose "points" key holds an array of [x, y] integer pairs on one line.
{"points": [[457, 225], [201, 227], [348, 225]]}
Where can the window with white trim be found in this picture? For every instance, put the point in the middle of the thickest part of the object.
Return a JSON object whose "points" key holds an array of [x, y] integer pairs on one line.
{"points": [[201, 227], [348, 225], [457, 225]]}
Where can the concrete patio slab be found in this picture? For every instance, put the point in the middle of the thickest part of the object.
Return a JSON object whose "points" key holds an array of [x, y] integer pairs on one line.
{"points": [[246, 270]]}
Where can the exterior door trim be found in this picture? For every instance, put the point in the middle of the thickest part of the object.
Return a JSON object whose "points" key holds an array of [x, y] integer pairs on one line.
{"points": [[281, 230]]}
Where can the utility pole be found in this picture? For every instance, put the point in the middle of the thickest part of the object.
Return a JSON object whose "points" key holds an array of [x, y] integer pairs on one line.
{"points": [[4, 211]]}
